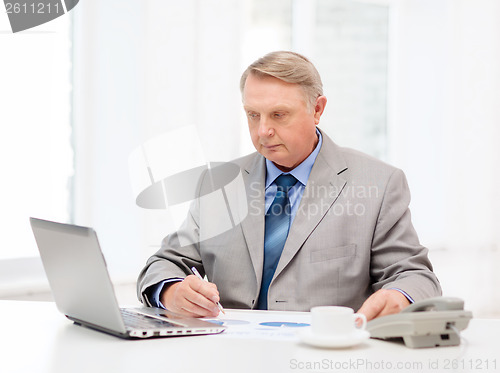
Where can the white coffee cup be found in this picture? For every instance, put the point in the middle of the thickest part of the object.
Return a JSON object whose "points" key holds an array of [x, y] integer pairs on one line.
{"points": [[335, 320]]}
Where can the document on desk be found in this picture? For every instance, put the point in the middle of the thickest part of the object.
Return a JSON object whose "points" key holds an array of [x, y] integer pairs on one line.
{"points": [[277, 325]]}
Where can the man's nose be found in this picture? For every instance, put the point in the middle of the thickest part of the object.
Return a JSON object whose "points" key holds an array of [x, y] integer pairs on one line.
{"points": [[265, 127]]}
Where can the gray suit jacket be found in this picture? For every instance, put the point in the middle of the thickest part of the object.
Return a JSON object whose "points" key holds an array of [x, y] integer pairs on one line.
{"points": [[351, 236]]}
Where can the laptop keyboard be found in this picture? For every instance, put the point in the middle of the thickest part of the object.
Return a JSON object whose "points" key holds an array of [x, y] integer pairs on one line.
{"points": [[139, 321]]}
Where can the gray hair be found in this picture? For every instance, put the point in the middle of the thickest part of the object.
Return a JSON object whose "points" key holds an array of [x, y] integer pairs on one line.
{"points": [[289, 67]]}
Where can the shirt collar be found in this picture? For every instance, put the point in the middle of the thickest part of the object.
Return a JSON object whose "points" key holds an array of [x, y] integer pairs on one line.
{"points": [[301, 172]]}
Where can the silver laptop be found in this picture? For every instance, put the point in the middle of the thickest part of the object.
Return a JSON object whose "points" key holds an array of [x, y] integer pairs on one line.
{"points": [[83, 291]]}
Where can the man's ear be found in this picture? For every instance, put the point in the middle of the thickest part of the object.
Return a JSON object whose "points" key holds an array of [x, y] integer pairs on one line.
{"points": [[319, 107]]}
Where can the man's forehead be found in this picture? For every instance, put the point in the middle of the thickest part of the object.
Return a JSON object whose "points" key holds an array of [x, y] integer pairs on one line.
{"points": [[277, 107]]}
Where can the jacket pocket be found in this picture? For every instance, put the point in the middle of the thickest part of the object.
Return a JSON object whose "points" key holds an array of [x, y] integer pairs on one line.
{"points": [[333, 253]]}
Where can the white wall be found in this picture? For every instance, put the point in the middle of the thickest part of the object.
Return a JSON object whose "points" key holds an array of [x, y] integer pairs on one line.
{"points": [[445, 98], [108, 117], [444, 130]]}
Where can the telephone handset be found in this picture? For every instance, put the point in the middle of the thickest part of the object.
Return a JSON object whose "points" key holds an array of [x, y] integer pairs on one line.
{"points": [[436, 304], [431, 322]]}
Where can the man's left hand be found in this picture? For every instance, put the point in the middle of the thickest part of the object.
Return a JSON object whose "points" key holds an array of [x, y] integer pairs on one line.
{"points": [[383, 302]]}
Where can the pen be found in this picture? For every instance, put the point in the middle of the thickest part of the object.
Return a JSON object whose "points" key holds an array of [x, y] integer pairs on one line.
{"points": [[197, 274]]}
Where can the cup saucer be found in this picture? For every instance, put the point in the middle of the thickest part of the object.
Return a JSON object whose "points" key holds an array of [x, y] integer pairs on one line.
{"points": [[341, 341]]}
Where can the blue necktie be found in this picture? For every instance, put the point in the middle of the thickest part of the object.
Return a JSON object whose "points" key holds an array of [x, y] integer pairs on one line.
{"points": [[275, 234]]}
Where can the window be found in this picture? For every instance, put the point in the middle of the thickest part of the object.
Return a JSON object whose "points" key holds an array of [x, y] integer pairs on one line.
{"points": [[348, 43], [36, 156]]}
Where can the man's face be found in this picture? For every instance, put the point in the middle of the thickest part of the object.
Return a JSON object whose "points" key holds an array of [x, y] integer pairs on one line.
{"points": [[282, 125]]}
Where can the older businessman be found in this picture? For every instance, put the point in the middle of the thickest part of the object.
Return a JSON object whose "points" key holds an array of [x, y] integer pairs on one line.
{"points": [[326, 225]]}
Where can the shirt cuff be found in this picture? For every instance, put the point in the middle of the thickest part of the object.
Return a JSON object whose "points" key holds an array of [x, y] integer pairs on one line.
{"points": [[404, 293], [152, 294]]}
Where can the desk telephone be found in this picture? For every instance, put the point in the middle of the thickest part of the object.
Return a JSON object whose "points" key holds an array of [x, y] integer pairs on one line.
{"points": [[431, 322]]}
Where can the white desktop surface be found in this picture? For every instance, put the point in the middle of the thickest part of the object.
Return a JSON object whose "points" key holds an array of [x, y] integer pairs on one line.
{"points": [[35, 337]]}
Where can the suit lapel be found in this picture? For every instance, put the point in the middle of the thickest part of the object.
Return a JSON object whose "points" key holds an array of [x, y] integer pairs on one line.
{"points": [[325, 184], [253, 225]]}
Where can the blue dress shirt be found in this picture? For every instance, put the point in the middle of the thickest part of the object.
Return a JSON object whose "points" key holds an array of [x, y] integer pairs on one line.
{"points": [[301, 173]]}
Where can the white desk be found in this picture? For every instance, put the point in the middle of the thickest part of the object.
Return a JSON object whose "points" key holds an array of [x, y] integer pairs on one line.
{"points": [[35, 337]]}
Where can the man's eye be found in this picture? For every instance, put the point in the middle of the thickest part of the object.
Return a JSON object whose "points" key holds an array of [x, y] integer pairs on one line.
{"points": [[253, 115], [279, 115]]}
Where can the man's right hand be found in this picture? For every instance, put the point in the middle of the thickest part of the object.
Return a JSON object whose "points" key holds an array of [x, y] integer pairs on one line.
{"points": [[191, 297]]}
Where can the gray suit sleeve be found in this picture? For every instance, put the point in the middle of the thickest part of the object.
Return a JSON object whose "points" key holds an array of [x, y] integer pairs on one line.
{"points": [[174, 260], [398, 259], [208, 217]]}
